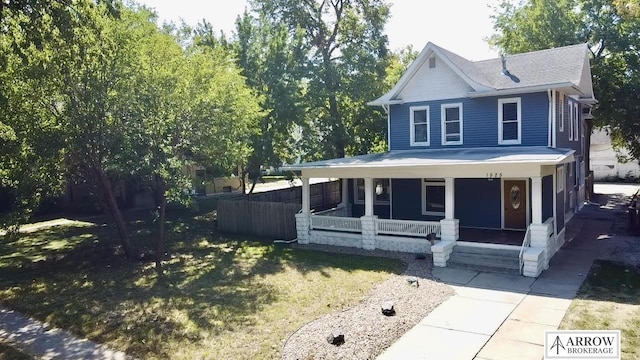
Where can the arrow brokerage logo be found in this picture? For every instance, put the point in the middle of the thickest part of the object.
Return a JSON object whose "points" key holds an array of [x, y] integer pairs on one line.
{"points": [[582, 344]]}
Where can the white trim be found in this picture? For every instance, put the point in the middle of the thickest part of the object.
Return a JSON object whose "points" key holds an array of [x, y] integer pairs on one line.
{"points": [[571, 115], [560, 186], [501, 102], [563, 99], [528, 221], [412, 124], [555, 204], [443, 119], [431, 182], [554, 122]]}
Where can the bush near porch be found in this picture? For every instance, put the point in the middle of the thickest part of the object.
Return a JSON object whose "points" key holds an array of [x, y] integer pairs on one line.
{"points": [[609, 299], [220, 297]]}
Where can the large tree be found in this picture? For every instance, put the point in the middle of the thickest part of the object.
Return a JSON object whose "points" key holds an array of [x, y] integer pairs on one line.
{"points": [[345, 61], [611, 28]]}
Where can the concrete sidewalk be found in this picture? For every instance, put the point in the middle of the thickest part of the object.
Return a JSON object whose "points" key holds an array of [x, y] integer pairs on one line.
{"points": [[38, 339], [496, 316]]}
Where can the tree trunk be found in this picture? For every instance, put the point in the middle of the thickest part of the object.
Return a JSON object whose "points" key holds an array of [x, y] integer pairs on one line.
{"points": [[160, 240], [253, 186], [107, 193]]}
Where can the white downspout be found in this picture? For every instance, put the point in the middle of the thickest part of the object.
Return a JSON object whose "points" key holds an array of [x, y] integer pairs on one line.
{"points": [[554, 121]]}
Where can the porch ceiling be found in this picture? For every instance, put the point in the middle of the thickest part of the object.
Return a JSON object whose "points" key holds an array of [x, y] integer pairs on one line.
{"points": [[511, 161]]}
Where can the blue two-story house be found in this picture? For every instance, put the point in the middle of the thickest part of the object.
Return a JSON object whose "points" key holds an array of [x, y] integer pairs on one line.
{"points": [[482, 154]]}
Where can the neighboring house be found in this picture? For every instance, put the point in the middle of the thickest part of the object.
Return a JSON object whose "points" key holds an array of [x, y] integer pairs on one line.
{"points": [[480, 153], [604, 160]]}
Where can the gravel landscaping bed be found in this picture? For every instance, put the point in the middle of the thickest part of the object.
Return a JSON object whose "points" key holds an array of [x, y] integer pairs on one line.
{"points": [[367, 332]]}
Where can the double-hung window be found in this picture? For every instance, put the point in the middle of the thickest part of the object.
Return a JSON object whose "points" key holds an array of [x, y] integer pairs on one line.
{"points": [[560, 111], [433, 193], [560, 179], [509, 121], [381, 191], [419, 116], [576, 119], [451, 124]]}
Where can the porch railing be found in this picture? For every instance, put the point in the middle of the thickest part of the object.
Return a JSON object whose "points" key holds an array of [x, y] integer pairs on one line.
{"points": [[407, 227], [336, 223], [337, 211]]}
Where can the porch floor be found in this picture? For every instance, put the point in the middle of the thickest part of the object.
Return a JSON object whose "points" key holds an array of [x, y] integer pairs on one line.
{"points": [[490, 236]]}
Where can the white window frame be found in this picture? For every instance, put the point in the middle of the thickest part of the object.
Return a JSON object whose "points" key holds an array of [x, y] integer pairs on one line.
{"points": [[431, 182], [412, 124], [443, 116], [576, 127], [375, 201], [560, 179], [571, 116], [501, 102]]}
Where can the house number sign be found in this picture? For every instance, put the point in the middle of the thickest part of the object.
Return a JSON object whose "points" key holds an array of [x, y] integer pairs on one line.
{"points": [[494, 175]]}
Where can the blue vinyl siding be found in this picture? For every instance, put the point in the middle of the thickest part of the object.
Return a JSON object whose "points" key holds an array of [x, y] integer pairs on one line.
{"points": [[477, 203], [480, 122], [562, 138], [406, 196], [547, 197]]}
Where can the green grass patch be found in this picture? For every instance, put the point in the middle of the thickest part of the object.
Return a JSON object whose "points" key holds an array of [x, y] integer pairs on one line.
{"points": [[220, 296], [609, 299]]}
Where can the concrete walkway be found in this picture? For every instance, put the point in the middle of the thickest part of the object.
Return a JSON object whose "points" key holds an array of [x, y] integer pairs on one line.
{"points": [[36, 338], [496, 316]]}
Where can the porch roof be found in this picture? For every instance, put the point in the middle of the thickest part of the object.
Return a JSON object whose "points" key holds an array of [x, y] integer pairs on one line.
{"points": [[532, 155]]}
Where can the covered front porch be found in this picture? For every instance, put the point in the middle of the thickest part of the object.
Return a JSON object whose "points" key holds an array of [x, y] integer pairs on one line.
{"points": [[371, 226]]}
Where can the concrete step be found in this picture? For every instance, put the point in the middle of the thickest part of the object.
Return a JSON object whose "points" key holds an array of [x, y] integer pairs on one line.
{"points": [[486, 251], [485, 259]]}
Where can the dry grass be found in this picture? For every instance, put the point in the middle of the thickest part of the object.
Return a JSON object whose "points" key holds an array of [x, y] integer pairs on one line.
{"points": [[609, 299], [219, 297]]}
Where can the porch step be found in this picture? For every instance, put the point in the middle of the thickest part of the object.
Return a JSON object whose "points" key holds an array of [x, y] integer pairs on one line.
{"points": [[485, 259]]}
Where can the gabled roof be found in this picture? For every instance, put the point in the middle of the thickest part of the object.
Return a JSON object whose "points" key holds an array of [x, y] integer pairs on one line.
{"points": [[557, 68]]}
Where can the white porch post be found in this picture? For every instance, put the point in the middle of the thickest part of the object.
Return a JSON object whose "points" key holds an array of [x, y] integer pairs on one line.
{"points": [[303, 220], [541, 242], [368, 221], [449, 227]]}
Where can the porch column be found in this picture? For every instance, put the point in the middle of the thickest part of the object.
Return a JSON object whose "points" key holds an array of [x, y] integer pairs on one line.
{"points": [[541, 233], [368, 197], [536, 200], [368, 221], [303, 220], [449, 226]]}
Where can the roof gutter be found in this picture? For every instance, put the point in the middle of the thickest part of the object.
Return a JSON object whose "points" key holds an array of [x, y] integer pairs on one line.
{"points": [[521, 90]]}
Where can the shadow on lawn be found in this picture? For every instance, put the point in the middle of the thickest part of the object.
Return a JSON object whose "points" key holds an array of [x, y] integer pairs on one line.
{"points": [[76, 278]]}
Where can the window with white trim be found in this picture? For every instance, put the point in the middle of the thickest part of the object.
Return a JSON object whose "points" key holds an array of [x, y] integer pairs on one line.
{"points": [[509, 121], [379, 185], [576, 119], [451, 124], [419, 116], [433, 193], [571, 121], [560, 179], [562, 100]]}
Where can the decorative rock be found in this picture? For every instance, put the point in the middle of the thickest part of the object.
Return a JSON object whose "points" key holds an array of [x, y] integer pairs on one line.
{"points": [[412, 280], [336, 337], [387, 308]]}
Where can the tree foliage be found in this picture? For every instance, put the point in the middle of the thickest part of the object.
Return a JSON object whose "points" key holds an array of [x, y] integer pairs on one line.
{"points": [[611, 28], [345, 58]]}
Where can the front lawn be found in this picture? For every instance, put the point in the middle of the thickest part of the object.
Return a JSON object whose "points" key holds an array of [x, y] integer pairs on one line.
{"points": [[609, 299], [221, 297]]}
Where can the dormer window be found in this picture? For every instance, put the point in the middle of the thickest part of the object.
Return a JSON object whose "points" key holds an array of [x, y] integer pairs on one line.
{"points": [[509, 121], [419, 118]]}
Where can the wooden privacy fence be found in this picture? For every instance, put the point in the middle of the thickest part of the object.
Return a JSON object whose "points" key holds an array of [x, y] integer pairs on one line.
{"points": [[266, 219], [272, 213]]}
